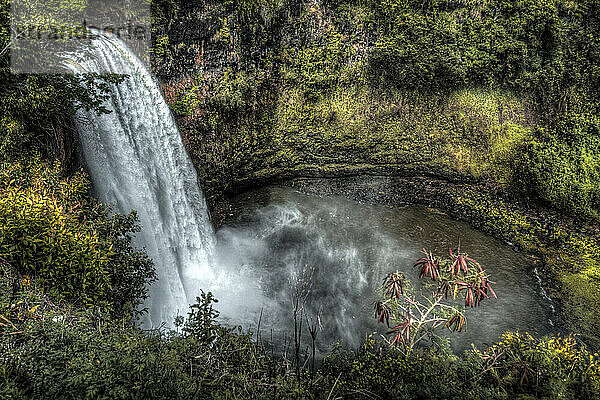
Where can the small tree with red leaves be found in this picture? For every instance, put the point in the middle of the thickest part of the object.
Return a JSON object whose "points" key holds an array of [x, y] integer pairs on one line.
{"points": [[411, 317]]}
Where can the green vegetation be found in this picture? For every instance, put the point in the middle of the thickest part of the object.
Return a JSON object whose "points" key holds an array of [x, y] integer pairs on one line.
{"points": [[53, 233], [571, 255], [59, 352], [503, 91], [507, 90]]}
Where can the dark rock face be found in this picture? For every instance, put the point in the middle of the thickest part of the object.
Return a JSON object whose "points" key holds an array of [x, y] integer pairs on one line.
{"points": [[208, 37], [193, 45]]}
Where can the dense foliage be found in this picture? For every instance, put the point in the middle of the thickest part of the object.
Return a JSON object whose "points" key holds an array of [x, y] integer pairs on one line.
{"points": [[300, 76], [52, 352], [546, 51], [52, 232]]}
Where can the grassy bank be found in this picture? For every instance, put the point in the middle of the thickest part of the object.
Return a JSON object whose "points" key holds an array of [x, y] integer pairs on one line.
{"points": [[569, 250], [473, 132]]}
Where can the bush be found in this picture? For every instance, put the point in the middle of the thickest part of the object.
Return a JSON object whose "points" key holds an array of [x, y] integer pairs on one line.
{"points": [[554, 367], [49, 351], [53, 232], [518, 366], [563, 168], [63, 353]]}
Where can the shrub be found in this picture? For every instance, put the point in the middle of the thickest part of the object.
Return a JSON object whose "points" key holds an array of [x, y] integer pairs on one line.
{"points": [[416, 317], [563, 168], [52, 231], [64, 353], [553, 367]]}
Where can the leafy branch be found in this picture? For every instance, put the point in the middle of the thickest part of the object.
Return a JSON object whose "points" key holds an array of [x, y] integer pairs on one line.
{"points": [[415, 317]]}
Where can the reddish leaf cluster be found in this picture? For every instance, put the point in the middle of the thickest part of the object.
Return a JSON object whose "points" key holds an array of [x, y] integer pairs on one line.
{"points": [[401, 332], [474, 280], [394, 285], [460, 263], [476, 290], [457, 274], [456, 323], [382, 312], [428, 265]]}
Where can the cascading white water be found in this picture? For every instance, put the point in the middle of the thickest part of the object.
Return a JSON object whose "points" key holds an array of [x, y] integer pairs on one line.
{"points": [[137, 161]]}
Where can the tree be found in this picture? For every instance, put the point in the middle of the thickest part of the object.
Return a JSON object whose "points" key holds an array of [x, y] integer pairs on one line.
{"points": [[37, 110]]}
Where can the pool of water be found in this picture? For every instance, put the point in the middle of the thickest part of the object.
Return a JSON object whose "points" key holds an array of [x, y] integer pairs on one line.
{"points": [[348, 248]]}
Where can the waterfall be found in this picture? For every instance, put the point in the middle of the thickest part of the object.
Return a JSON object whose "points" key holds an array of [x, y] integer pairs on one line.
{"points": [[137, 161]]}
